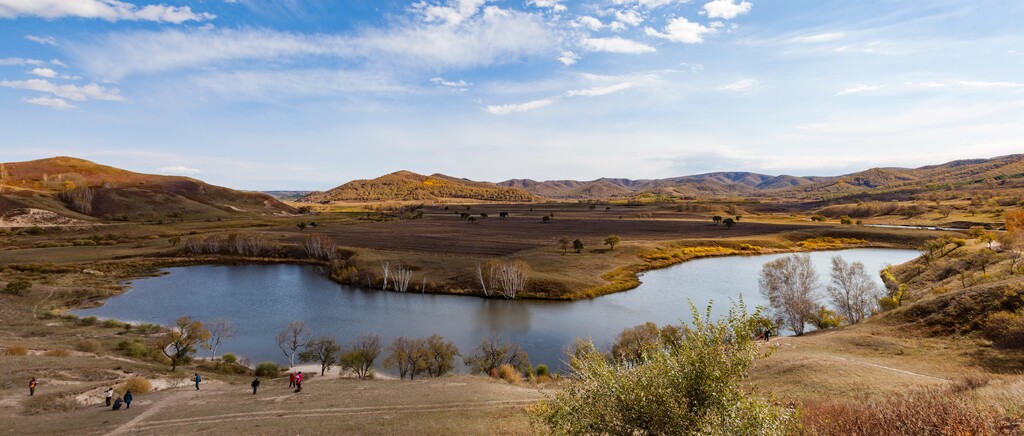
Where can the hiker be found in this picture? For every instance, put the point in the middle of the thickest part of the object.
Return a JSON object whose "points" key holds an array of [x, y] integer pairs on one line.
{"points": [[197, 379], [32, 387], [255, 385], [110, 394], [298, 382], [117, 403], [767, 335], [128, 400], [291, 380]]}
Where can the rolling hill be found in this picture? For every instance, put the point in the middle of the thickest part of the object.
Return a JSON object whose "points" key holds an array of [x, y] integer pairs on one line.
{"points": [[83, 190], [409, 186]]}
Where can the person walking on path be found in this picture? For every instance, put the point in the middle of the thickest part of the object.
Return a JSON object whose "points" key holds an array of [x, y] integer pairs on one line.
{"points": [[291, 380], [298, 382], [128, 400], [117, 403], [255, 385], [767, 335], [197, 379], [32, 387], [110, 394]]}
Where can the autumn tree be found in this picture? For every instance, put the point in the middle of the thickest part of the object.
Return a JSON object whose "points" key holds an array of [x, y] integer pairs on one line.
{"points": [[564, 244], [182, 340], [221, 329], [439, 355], [611, 241], [577, 245], [729, 222], [1015, 220], [405, 355], [633, 344], [717, 219], [362, 352], [852, 291], [789, 284], [301, 226], [493, 352], [323, 350], [292, 338]]}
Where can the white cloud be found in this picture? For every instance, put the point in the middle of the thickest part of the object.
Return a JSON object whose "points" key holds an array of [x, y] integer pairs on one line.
{"points": [[43, 72], [460, 85], [596, 92], [682, 30], [817, 38], [268, 85], [554, 5], [980, 84], [568, 57], [588, 22], [740, 86], [91, 91], [506, 109], [55, 103], [450, 12], [650, 4], [859, 89], [630, 17], [48, 40], [726, 9], [20, 62], [693, 68], [179, 170], [616, 45], [110, 10]]}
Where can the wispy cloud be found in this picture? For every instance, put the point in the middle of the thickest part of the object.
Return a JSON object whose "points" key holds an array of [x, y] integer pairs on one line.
{"points": [[91, 91], [20, 62], [616, 44], [457, 85], [599, 91], [110, 10], [859, 89], [682, 30], [55, 103], [43, 72], [740, 86], [47, 40], [179, 170], [506, 109]]}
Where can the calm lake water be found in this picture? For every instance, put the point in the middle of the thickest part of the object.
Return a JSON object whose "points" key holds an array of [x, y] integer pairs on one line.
{"points": [[262, 299]]}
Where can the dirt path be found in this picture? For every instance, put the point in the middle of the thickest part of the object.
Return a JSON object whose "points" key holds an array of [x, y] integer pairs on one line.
{"points": [[155, 407], [779, 341]]}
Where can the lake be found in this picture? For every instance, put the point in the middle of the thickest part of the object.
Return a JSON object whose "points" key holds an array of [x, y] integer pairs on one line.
{"points": [[262, 299]]}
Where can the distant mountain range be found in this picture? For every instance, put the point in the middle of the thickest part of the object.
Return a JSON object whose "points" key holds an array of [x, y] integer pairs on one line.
{"points": [[408, 186], [82, 189]]}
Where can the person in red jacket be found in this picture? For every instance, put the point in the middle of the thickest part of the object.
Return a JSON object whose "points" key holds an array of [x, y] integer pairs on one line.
{"points": [[298, 382], [32, 387], [291, 380]]}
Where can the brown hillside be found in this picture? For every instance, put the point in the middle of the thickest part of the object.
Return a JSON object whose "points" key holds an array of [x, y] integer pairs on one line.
{"points": [[80, 188], [409, 186]]}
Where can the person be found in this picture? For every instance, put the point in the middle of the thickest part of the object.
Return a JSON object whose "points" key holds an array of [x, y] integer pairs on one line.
{"points": [[298, 382], [197, 379], [110, 394], [255, 385], [117, 403], [767, 334], [291, 380], [32, 387], [128, 400]]}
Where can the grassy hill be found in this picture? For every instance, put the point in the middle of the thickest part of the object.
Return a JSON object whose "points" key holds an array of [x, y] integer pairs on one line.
{"points": [[86, 190], [405, 186]]}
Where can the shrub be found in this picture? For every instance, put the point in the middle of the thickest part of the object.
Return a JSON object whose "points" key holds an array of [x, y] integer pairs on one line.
{"points": [[229, 358], [266, 369], [71, 317], [134, 349], [51, 403], [111, 323], [17, 287], [17, 350], [89, 320], [541, 370], [88, 345], [57, 352], [818, 218], [136, 384], [509, 373], [1005, 329]]}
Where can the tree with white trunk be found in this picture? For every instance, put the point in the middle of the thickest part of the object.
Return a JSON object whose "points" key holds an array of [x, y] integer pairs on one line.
{"points": [[790, 285], [852, 290]]}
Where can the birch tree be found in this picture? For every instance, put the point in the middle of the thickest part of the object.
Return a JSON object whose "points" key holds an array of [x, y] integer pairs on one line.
{"points": [[402, 276], [789, 284], [220, 330], [318, 246], [852, 290], [386, 267], [512, 278], [292, 338]]}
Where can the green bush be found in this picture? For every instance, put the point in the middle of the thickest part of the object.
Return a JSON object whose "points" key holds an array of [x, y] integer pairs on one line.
{"points": [[266, 369], [88, 345], [111, 323], [541, 370], [17, 287], [229, 358], [89, 320]]}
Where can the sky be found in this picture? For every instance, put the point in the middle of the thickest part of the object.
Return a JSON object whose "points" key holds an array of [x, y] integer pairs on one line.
{"points": [[309, 94]]}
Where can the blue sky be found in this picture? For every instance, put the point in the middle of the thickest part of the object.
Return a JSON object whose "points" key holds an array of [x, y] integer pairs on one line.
{"points": [[307, 94]]}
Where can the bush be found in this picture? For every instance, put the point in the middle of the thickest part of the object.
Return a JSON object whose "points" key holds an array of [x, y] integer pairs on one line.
{"points": [[1005, 329], [57, 352], [267, 369], [89, 320], [17, 350], [541, 370], [229, 358], [509, 373], [136, 384], [111, 323], [135, 349], [51, 403], [88, 345], [17, 287]]}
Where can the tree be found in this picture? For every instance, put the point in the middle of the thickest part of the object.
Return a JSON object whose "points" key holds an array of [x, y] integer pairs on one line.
{"points": [[180, 342], [512, 277], [405, 355], [852, 291], [483, 215], [494, 352], [292, 338], [174, 240], [323, 350], [987, 238], [564, 243], [694, 388], [402, 277], [220, 329], [729, 222], [738, 218], [632, 345], [301, 226], [4, 175], [386, 269], [439, 355], [363, 351], [545, 219], [503, 215], [577, 245], [789, 285], [1014, 220], [611, 241], [717, 219]]}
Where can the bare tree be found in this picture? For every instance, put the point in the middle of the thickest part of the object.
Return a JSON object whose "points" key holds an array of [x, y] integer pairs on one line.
{"points": [[79, 198], [386, 266], [494, 352], [292, 338], [789, 284], [220, 330], [485, 273], [256, 244], [406, 356], [852, 290], [402, 276], [361, 355], [512, 278], [323, 350], [318, 246]]}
